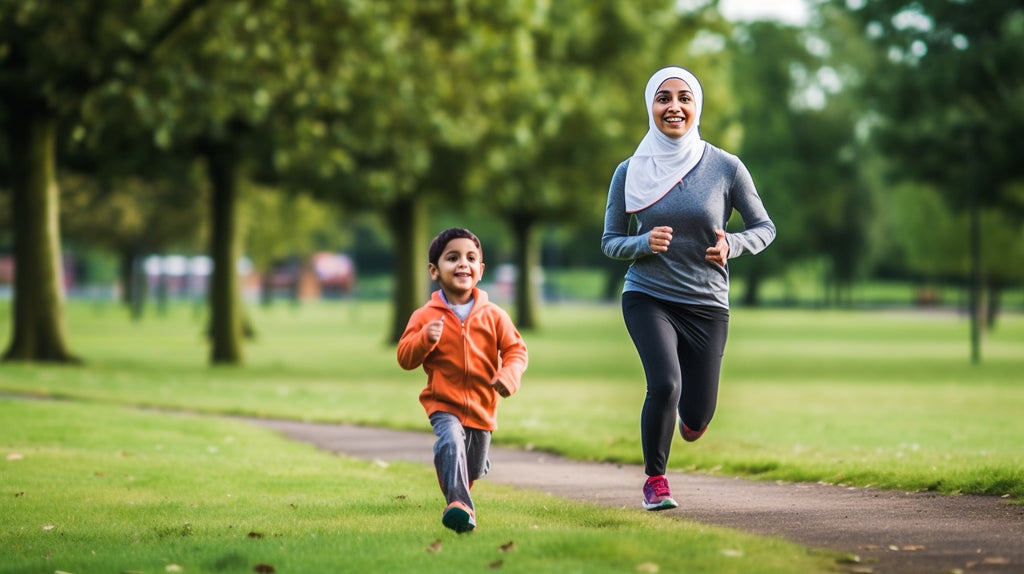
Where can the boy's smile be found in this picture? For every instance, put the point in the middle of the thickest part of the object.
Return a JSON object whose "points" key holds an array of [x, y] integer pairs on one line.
{"points": [[458, 270]]}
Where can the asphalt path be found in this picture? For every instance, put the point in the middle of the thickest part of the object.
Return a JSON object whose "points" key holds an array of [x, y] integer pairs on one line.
{"points": [[888, 531]]}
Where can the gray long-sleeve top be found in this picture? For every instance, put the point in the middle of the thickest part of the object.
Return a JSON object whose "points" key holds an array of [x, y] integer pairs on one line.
{"points": [[698, 205]]}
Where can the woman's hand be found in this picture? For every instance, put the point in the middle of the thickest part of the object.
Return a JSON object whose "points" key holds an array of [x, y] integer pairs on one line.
{"points": [[719, 252], [659, 239]]}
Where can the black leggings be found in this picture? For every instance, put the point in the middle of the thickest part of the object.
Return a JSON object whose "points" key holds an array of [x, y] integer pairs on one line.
{"points": [[681, 348]]}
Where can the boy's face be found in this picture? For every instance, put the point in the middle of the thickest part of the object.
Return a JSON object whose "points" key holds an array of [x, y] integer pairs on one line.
{"points": [[458, 270]]}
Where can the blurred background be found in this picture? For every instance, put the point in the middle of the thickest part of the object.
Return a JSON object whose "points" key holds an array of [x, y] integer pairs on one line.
{"points": [[266, 152]]}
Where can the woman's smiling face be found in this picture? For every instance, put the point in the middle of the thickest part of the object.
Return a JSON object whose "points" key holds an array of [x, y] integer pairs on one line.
{"points": [[674, 108]]}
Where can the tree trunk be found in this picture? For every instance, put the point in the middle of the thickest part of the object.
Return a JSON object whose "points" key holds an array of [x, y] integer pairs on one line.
{"points": [[225, 250], [267, 288], [38, 332], [527, 258], [614, 273], [752, 293], [994, 304], [408, 221], [134, 282], [976, 279]]}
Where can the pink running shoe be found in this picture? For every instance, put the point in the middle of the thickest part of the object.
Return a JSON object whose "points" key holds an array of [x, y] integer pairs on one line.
{"points": [[657, 495]]}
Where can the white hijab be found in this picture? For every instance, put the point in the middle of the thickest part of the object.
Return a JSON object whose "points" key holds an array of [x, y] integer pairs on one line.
{"points": [[660, 162]]}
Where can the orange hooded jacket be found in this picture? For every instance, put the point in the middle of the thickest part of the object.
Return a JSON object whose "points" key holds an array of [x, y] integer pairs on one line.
{"points": [[462, 364]]}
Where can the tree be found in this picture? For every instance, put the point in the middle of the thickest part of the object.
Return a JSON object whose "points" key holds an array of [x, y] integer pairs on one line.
{"points": [[411, 108], [131, 217], [798, 140], [52, 56], [225, 95], [949, 91], [281, 226]]}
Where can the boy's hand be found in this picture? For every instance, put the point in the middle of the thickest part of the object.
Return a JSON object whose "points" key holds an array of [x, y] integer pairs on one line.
{"points": [[501, 388], [434, 329]]}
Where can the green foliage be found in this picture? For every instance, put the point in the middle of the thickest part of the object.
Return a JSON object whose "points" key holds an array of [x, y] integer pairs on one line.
{"points": [[949, 86], [133, 215], [278, 226]]}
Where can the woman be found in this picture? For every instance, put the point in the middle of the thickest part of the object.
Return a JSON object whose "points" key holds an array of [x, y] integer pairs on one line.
{"points": [[681, 191]]}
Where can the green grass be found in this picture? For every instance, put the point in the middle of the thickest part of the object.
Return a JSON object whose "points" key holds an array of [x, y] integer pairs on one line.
{"points": [[101, 488], [884, 398], [887, 399]]}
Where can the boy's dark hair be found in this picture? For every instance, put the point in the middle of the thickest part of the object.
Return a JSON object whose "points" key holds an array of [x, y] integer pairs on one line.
{"points": [[441, 241]]}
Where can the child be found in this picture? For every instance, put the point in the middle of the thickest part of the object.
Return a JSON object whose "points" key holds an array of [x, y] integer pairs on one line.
{"points": [[472, 353]]}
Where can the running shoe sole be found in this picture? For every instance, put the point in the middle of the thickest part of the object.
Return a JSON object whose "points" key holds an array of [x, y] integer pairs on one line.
{"points": [[458, 519], [665, 504]]}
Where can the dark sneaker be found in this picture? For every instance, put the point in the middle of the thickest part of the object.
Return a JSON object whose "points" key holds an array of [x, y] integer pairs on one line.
{"points": [[690, 435], [458, 517], [657, 496]]}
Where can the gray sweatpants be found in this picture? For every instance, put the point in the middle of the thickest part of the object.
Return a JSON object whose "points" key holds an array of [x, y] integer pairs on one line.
{"points": [[460, 456]]}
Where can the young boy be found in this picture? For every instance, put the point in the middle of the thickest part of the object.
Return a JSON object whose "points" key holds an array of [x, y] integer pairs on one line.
{"points": [[472, 353]]}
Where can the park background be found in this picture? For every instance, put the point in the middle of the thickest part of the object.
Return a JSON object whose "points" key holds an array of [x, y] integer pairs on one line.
{"points": [[174, 176]]}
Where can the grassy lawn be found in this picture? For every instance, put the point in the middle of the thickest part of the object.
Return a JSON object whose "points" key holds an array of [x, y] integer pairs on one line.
{"points": [[861, 398], [888, 399], [101, 488]]}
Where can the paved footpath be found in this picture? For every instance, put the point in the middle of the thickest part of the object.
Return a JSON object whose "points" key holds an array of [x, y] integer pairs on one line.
{"points": [[892, 532]]}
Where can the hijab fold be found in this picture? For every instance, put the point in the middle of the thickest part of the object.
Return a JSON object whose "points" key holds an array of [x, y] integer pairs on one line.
{"points": [[660, 162]]}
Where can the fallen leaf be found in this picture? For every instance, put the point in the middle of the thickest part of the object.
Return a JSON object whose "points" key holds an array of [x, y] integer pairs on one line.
{"points": [[495, 565], [255, 535], [913, 547], [648, 567], [264, 568], [173, 568], [996, 560], [508, 546], [48, 527], [435, 547], [14, 456], [894, 548], [732, 553]]}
